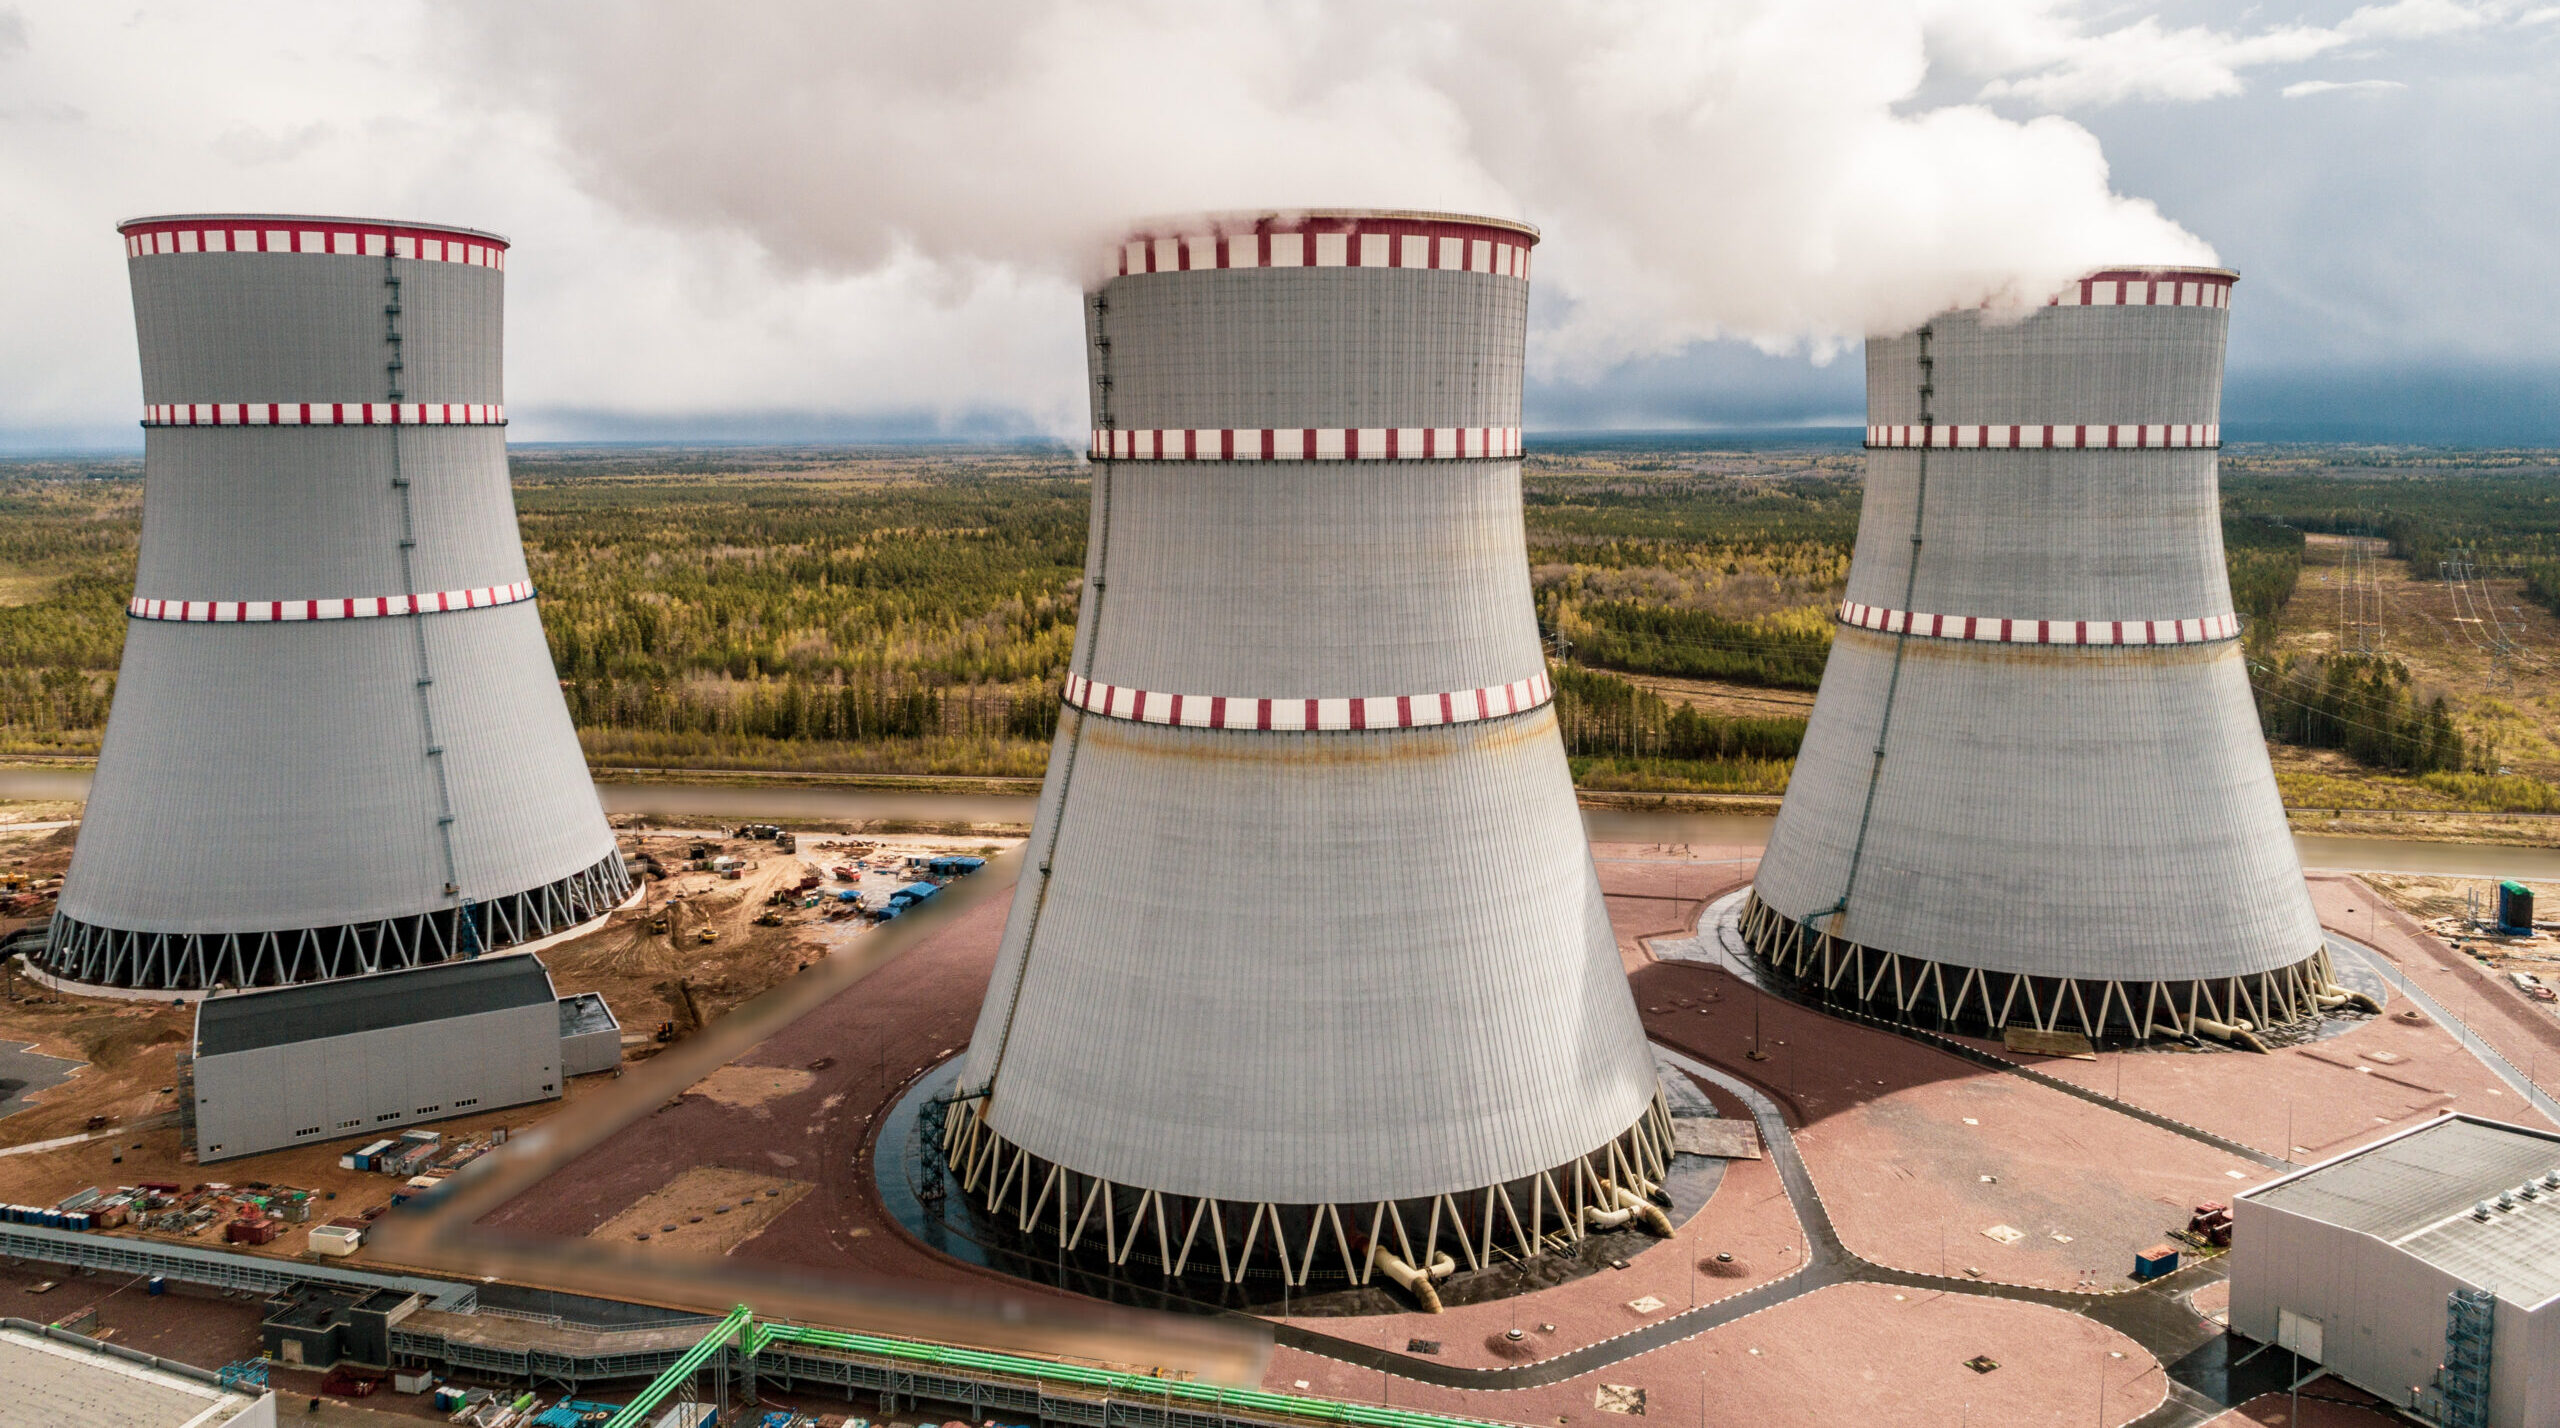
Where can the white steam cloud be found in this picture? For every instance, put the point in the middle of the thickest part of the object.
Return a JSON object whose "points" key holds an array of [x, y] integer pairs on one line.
{"points": [[1721, 168], [809, 216]]}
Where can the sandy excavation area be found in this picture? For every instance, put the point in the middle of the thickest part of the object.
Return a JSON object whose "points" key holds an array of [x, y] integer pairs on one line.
{"points": [[708, 1209]]}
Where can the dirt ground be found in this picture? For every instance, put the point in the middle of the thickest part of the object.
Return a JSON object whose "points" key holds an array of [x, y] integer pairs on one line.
{"points": [[707, 1209], [18, 811], [128, 1049], [674, 978]]}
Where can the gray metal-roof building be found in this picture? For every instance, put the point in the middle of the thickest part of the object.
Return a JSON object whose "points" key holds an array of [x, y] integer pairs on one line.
{"points": [[338, 744], [1312, 954], [321, 1061], [66, 1380], [2424, 1268], [2033, 790]]}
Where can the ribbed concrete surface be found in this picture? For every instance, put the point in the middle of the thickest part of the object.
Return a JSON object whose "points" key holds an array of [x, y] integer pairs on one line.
{"points": [[276, 777], [2031, 535], [309, 513], [1312, 967], [1280, 347], [1314, 579], [308, 327], [1298, 967], [2060, 364], [2098, 813]]}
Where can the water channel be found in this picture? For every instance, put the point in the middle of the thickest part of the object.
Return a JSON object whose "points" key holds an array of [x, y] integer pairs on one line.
{"points": [[1700, 830]]}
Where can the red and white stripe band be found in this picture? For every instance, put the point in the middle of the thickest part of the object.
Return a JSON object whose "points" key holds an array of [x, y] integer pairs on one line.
{"points": [[1368, 243], [153, 237], [2164, 287], [1390, 711], [2048, 438], [2041, 632], [324, 414], [1309, 443], [361, 607]]}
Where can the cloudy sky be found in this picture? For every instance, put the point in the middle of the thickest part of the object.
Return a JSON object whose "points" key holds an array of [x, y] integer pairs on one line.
{"points": [[820, 219]]}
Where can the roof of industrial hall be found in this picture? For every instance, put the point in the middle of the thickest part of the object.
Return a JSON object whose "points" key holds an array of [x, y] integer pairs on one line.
{"points": [[2420, 1192], [280, 1016]]}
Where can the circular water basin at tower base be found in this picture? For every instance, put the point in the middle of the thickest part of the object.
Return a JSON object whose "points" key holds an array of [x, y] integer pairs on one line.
{"points": [[926, 1202]]}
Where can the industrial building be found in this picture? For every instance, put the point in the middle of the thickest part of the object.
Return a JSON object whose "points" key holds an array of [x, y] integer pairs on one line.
{"points": [[69, 1380], [2033, 791], [1309, 975], [338, 744], [590, 1038], [321, 1061], [321, 1326], [2423, 1268]]}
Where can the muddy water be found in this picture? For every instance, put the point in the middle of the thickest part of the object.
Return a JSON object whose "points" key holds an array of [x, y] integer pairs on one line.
{"points": [[1606, 825]]}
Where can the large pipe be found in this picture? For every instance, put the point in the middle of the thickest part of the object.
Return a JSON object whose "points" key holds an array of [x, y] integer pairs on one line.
{"points": [[1645, 1211], [2331, 996], [1413, 1281], [2237, 1033]]}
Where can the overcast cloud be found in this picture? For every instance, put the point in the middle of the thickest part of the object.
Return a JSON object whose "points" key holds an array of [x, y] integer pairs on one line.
{"points": [[810, 219]]}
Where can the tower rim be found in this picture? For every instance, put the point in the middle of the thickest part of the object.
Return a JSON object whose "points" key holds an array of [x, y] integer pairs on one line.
{"points": [[1288, 220], [128, 227]]}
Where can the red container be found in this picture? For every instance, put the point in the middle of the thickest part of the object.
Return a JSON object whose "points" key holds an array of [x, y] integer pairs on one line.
{"points": [[250, 1232]]}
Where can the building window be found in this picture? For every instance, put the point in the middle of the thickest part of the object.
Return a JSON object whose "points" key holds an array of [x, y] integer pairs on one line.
{"points": [[546, 1086], [308, 1130], [466, 1101], [426, 1110], [388, 1116], [351, 1125]]}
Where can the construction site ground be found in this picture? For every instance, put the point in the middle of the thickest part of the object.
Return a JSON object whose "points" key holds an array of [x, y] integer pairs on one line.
{"points": [[117, 1057]]}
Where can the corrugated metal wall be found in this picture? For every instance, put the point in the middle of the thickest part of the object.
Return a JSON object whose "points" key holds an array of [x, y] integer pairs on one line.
{"points": [[252, 1101], [2382, 1312]]}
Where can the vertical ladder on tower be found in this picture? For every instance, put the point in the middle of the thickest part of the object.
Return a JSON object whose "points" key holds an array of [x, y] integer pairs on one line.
{"points": [[2471, 1318]]}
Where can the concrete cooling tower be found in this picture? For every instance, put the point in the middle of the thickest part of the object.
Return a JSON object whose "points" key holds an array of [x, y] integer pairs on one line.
{"points": [[2034, 791], [1311, 957], [338, 744]]}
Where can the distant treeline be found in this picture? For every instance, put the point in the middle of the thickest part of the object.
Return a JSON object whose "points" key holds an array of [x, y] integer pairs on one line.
{"points": [[1605, 716], [2361, 705], [1697, 644], [2264, 559], [2498, 510], [714, 615]]}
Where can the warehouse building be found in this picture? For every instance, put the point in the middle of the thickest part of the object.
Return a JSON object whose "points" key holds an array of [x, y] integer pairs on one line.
{"points": [[2424, 1268], [319, 1061], [67, 1380]]}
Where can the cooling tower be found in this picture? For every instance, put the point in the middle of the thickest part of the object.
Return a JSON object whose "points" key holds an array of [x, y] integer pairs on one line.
{"points": [[1311, 956], [338, 744], [2033, 791]]}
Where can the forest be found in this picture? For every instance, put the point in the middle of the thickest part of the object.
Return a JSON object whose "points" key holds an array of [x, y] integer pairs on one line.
{"points": [[911, 611]]}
